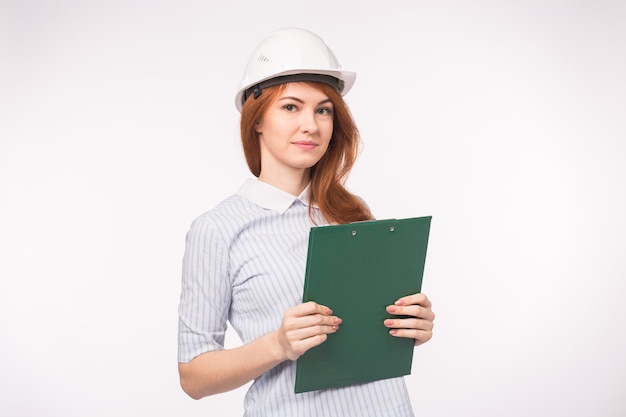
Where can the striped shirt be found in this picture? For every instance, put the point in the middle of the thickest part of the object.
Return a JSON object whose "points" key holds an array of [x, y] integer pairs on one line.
{"points": [[244, 263]]}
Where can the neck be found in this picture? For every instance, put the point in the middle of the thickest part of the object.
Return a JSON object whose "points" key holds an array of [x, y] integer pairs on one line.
{"points": [[292, 182]]}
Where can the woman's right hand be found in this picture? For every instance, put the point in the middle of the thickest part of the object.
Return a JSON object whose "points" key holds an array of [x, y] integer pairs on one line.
{"points": [[305, 326]]}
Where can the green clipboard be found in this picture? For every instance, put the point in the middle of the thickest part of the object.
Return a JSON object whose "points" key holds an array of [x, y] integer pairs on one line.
{"points": [[357, 270]]}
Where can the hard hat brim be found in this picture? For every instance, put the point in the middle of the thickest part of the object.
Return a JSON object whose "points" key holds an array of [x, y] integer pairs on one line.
{"points": [[347, 77]]}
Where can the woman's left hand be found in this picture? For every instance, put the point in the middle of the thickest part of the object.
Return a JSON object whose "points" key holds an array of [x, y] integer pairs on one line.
{"points": [[419, 326]]}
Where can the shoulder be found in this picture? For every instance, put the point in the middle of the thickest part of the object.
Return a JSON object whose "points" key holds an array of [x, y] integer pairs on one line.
{"points": [[366, 206], [226, 219], [219, 216], [362, 200]]}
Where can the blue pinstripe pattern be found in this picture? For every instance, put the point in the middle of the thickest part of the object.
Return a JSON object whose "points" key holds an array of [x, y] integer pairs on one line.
{"points": [[244, 264]]}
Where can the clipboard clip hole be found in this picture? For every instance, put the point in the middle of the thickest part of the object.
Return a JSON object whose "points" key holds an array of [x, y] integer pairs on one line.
{"points": [[391, 228], [354, 233]]}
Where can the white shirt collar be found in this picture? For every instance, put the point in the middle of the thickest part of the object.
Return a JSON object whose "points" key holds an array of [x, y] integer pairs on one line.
{"points": [[270, 197]]}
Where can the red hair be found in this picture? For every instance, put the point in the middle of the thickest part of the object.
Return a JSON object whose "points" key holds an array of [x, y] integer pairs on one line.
{"points": [[328, 176]]}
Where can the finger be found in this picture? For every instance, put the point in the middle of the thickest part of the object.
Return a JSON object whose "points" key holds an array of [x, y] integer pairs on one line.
{"points": [[415, 324], [298, 334], [419, 299], [301, 346], [420, 336], [312, 320], [310, 307], [412, 310], [311, 331]]}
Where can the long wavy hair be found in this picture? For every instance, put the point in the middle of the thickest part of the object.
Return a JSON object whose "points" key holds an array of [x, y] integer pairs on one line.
{"points": [[329, 175]]}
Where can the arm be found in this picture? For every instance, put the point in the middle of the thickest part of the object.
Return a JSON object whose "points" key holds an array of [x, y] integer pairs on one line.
{"points": [[420, 326], [303, 327]]}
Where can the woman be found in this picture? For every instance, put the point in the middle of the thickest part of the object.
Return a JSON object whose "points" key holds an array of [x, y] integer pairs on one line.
{"points": [[245, 259]]}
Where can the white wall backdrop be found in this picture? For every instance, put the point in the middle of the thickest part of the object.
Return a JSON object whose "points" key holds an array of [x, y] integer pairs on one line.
{"points": [[504, 120]]}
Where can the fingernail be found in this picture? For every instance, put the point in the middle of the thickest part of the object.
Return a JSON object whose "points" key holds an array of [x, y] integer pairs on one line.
{"points": [[391, 309], [335, 327], [399, 302], [337, 320], [388, 322], [329, 311]]}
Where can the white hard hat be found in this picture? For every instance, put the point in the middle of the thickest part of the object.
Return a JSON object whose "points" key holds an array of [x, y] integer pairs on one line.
{"points": [[291, 54]]}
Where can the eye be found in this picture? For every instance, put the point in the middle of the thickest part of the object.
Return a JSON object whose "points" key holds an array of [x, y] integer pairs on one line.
{"points": [[290, 107], [327, 111]]}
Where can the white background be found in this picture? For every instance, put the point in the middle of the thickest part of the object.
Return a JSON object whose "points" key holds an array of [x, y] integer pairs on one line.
{"points": [[504, 120]]}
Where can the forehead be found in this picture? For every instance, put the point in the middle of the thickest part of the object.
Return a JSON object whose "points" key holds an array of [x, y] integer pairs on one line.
{"points": [[304, 92]]}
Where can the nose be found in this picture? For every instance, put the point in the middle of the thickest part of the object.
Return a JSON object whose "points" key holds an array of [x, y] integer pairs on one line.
{"points": [[308, 122]]}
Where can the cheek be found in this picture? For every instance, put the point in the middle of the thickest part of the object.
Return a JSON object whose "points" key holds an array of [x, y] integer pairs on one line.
{"points": [[328, 130], [278, 128]]}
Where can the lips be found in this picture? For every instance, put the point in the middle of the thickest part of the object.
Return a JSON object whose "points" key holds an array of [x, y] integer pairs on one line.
{"points": [[305, 144]]}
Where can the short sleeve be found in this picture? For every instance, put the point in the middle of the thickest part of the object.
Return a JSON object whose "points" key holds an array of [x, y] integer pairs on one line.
{"points": [[205, 292]]}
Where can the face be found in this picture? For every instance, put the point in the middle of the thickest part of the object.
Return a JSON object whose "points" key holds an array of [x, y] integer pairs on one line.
{"points": [[295, 130]]}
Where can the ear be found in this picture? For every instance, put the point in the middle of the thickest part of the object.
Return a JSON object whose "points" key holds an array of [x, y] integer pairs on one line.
{"points": [[257, 126]]}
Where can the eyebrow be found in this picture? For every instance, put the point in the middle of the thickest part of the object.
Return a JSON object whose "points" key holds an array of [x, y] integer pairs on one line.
{"points": [[299, 100]]}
